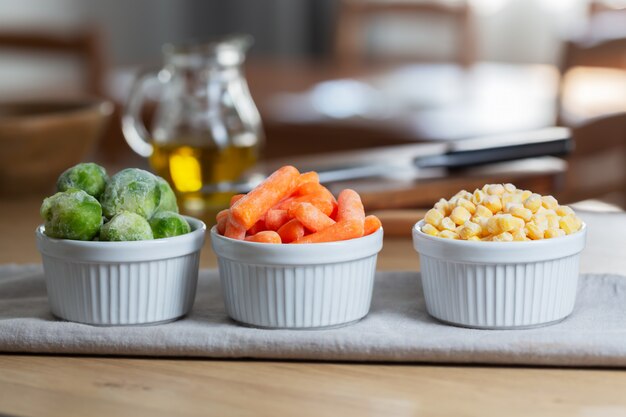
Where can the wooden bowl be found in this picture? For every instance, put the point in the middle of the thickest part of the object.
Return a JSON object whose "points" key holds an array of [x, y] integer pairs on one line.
{"points": [[40, 139]]}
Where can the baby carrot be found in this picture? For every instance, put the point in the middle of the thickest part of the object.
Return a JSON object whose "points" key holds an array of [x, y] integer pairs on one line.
{"points": [[350, 206], [291, 231], [234, 230], [372, 224], [250, 208], [257, 227], [308, 177], [222, 218], [344, 230], [310, 216], [275, 218], [235, 198], [266, 236]]}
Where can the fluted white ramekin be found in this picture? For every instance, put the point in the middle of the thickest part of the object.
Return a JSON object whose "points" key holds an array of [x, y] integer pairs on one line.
{"points": [[308, 286], [122, 283], [499, 285]]}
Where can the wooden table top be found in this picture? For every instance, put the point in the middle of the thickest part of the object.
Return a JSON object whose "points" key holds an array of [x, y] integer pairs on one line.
{"points": [[105, 386]]}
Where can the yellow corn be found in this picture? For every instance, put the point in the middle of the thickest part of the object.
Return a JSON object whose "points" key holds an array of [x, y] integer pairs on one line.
{"points": [[433, 217], [509, 206], [447, 224], [478, 197], [565, 211], [503, 237], [495, 189], [474, 238], [482, 211], [570, 224], [510, 188], [443, 206], [549, 202], [521, 212], [511, 198], [519, 235], [533, 203], [552, 233], [493, 203], [447, 234], [469, 229], [468, 205], [460, 215], [429, 229], [525, 194], [501, 223]]}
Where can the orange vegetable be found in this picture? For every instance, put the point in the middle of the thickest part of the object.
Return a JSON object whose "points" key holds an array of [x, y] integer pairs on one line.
{"points": [[275, 218], [308, 177], [291, 231], [236, 198], [257, 227], [344, 230], [310, 216], [234, 230], [222, 218], [372, 224], [266, 236], [350, 206], [251, 208]]}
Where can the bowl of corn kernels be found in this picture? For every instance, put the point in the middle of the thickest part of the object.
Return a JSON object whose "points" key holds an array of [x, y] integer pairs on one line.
{"points": [[499, 258]]}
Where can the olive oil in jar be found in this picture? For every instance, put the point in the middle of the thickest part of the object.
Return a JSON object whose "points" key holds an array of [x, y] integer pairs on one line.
{"points": [[189, 168]]}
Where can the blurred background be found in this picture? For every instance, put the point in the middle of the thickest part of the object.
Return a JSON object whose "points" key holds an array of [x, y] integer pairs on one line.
{"points": [[337, 84]]}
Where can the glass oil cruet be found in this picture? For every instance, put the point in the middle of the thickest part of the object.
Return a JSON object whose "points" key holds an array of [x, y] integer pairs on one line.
{"points": [[206, 128]]}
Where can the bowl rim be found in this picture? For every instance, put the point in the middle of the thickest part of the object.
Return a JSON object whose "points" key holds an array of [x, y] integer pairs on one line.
{"points": [[296, 254], [128, 251]]}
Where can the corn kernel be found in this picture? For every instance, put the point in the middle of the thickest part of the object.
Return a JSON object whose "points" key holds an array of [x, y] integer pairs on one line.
{"points": [[533, 203], [511, 198], [493, 203], [519, 235], [569, 224], [447, 224], [469, 229], [552, 233], [509, 206], [474, 238], [468, 205], [429, 229], [510, 188], [501, 223], [433, 217], [447, 234], [496, 189], [524, 194], [553, 221], [482, 211], [503, 237], [482, 222], [549, 202], [478, 197], [521, 212], [443, 206], [460, 215], [565, 211]]}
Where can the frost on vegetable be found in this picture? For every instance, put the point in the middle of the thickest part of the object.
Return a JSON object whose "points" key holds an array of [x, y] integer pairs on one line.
{"points": [[71, 214], [133, 190], [89, 177], [168, 224], [126, 226], [168, 198]]}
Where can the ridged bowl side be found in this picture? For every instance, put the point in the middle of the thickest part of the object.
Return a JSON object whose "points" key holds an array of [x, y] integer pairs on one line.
{"points": [[499, 296], [307, 296], [121, 293]]}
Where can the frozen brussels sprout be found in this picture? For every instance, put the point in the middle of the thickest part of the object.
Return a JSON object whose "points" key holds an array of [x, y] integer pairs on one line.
{"points": [[126, 226], [168, 198], [168, 224], [71, 214], [133, 190], [89, 177]]}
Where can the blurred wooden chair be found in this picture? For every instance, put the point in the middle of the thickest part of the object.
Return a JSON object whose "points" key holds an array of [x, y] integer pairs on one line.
{"points": [[86, 44], [597, 167], [354, 16]]}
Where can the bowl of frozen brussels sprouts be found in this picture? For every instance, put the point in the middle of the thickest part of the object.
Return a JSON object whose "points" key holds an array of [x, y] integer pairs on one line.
{"points": [[115, 250]]}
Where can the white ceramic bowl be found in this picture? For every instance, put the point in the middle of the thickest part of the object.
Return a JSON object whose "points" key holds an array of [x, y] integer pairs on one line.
{"points": [[122, 283], [308, 286], [499, 285]]}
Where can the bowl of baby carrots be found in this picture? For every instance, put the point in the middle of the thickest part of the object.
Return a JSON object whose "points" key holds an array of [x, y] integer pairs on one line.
{"points": [[293, 256]]}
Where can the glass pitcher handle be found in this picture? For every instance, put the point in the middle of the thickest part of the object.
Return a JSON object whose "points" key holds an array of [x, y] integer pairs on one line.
{"points": [[135, 132]]}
